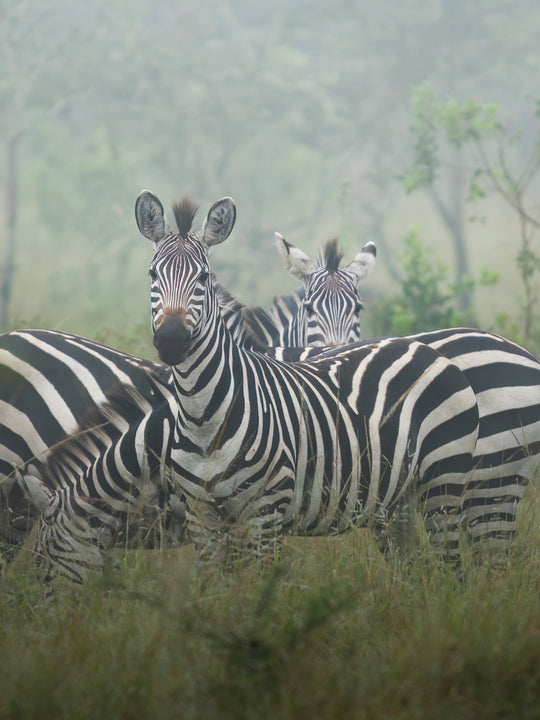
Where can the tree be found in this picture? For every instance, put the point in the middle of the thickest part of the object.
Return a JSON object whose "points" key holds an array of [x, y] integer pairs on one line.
{"points": [[467, 142], [35, 82]]}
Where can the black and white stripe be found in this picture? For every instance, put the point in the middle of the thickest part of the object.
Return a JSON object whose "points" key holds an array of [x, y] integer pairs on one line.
{"points": [[263, 446], [506, 381], [51, 386]]}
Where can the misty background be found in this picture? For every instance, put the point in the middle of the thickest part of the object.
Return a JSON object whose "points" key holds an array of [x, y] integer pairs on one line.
{"points": [[302, 111]]}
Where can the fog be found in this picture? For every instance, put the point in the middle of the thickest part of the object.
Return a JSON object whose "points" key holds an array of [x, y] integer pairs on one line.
{"points": [[300, 111]]}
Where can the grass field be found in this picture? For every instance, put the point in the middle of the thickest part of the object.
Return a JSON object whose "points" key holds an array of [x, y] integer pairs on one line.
{"points": [[334, 630]]}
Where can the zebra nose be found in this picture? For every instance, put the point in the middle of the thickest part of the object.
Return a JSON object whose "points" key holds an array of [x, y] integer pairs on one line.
{"points": [[172, 340]]}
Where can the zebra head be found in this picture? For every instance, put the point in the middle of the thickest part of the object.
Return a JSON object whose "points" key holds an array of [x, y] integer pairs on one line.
{"points": [[328, 313], [179, 271]]}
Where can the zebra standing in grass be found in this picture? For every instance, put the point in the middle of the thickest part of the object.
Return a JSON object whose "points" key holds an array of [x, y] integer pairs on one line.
{"points": [[53, 385], [506, 381], [262, 446], [325, 311], [88, 427], [491, 513]]}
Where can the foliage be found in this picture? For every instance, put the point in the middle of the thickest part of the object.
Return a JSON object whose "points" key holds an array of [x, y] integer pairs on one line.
{"points": [[334, 630], [469, 135], [459, 123], [255, 101], [427, 300]]}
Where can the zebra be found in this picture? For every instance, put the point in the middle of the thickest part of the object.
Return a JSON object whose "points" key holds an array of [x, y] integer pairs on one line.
{"points": [[505, 378], [493, 509], [87, 418], [262, 446], [52, 386], [493, 518], [325, 311]]}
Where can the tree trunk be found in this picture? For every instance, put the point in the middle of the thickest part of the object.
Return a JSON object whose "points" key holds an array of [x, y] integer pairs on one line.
{"points": [[453, 217]]}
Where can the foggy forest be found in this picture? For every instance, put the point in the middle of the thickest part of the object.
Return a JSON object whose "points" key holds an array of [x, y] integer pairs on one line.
{"points": [[411, 124]]}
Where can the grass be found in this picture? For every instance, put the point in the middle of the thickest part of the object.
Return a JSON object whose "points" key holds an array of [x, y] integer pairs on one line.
{"points": [[334, 630]]}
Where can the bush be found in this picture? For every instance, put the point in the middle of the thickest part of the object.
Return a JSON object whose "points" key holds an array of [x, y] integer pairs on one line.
{"points": [[428, 300]]}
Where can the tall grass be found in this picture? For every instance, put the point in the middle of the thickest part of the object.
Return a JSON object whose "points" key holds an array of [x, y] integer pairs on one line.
{"points": [[333, 630]]}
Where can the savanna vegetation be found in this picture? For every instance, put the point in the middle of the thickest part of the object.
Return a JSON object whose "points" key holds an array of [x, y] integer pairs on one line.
{"points": [[334, 629], [411, 124]]}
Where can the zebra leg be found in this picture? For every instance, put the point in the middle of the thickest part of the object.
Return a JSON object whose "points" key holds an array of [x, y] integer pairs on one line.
{"points": [[257, 531], [227, 543], [441, 505], [490, 509], [259, 539], [484, 516], [207, 529], [395, 531]]}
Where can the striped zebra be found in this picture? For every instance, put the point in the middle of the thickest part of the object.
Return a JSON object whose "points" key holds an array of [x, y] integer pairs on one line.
{"points": [[53, 386], [491, 512], [325, 311], [85, 425], [506, 381], [263, 446], [505, 378]]}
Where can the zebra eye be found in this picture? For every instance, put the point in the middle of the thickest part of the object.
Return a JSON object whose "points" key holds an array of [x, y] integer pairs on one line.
{"points": [[358, 307], [308, 309], [153, 274], [204, 277]]}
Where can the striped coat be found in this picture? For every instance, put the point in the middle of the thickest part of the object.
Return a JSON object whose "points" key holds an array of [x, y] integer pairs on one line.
{"points": [[262, 446]]}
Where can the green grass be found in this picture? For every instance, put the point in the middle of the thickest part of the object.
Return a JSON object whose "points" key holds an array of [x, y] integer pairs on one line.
{"points": [[334, 630]]}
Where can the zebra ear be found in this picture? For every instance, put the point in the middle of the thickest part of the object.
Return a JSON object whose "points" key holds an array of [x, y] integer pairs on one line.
{"points": [[363, 263], [219, 222], [150, 217], [37, 490], [296, 262]]}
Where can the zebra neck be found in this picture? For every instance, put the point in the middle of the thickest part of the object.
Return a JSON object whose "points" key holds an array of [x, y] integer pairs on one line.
{"points": [[209, 386], [295, 335]]}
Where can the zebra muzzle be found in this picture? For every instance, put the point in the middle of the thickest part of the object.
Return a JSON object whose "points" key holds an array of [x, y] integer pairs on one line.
{"points": [[172, 340]]}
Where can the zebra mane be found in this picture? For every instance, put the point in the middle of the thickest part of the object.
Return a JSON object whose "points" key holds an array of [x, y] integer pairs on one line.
{"points": [[232, 311], [264, 327], [184, 212], [331, 256], [256, 322], [94, 428]]}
